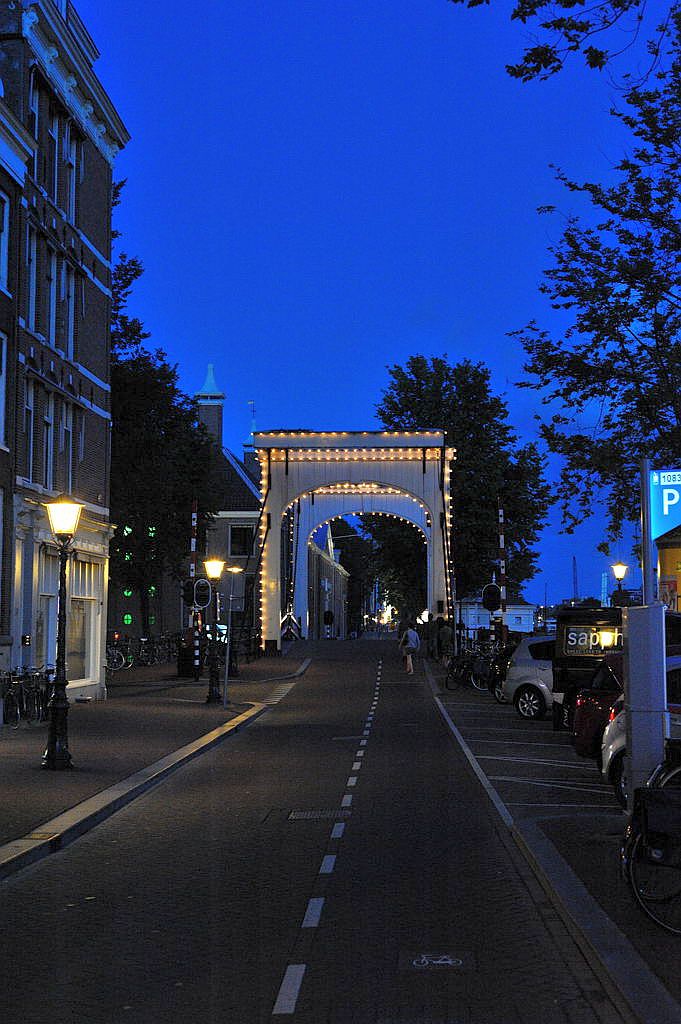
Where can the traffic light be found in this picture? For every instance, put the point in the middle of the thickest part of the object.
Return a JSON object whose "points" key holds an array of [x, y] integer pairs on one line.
{"points": [[491, 597], [202, 592]]}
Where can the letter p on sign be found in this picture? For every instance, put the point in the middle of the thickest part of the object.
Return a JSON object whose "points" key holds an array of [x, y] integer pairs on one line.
{"points": [[670, 496]]}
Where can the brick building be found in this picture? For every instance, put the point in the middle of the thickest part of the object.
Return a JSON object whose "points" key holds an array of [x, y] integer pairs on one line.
{"points": [[61, 133]]}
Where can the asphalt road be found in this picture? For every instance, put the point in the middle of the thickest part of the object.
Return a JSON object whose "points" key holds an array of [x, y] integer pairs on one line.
{"points": [[335, 862]]}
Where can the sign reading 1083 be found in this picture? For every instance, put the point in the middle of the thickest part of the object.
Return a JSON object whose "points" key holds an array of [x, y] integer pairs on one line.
{"points": [[665, 501]]}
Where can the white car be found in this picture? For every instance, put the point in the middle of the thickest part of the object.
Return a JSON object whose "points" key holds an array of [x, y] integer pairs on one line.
{"points": [[614, 745], [529, 678]]}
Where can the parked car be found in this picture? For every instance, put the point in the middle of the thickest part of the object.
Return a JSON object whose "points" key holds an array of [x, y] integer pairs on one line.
{"points": [[614, 743], [529, 677], [593, 705]]}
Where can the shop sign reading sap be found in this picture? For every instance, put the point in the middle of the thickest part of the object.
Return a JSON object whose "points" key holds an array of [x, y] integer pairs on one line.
{"points": [[591, 641], [665, 501]]}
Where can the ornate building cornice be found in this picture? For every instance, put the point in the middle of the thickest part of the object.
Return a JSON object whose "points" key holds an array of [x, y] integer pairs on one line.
{"points": [[61, 55]]}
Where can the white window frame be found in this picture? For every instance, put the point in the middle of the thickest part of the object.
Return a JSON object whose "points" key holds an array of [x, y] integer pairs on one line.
{"points": [[51, 332], [3, 386], [29, 412], [4, 241], [32, 277], [48, 443]]}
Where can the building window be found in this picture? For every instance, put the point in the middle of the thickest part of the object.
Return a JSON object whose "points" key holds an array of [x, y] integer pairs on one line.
{"points": [[53, 158], [29, 403], [51, 296], [78, 633], [240, 540], [3, 385], [66, 443], [32, 264], [71, 170], [70, 312], [48, 443], [4, 241], [34, 119]]}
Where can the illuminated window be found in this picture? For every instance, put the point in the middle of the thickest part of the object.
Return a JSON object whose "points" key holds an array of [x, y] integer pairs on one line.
{"points": [[127, 530], [127, 619], [152, 620], [152, 531], [128, 556], [4, 241], [152, 591], [127, 592]]}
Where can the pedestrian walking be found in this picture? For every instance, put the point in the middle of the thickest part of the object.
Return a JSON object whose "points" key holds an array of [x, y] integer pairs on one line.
{"points": [[410, 643]]}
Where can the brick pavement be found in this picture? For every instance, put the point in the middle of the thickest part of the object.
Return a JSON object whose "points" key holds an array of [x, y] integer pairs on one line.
{"points": [[145, 718]]}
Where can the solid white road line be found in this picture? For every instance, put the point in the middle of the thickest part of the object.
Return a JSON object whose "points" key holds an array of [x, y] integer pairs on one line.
{"points": [[328, 864], [534, 760], [290, 989], [313, 912], [551, 785]]}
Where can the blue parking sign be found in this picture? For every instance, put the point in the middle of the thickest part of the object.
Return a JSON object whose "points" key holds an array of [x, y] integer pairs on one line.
{"points": [[665, 501]]}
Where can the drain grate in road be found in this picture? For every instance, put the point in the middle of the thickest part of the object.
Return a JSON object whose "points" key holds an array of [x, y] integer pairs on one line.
{"points": [[325, 814]]}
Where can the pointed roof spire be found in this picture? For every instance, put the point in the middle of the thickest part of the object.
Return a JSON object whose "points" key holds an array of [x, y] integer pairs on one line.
{"points": [[210, 388]]}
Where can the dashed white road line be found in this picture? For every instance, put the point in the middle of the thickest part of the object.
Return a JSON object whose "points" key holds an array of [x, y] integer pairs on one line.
{"points": [[352, 781], [356, 766], [313, 912], [347, 800], [360, 753], [290, 989], [328, 864], [362, 743], [338, 830]]}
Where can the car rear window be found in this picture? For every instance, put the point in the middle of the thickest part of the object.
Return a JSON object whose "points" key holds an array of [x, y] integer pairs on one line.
{"points": [[544, 650]]}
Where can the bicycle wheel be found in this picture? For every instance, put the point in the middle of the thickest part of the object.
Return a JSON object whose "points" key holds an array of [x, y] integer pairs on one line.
{"points": [[656, 885], [670, 776], [11, 712], [115, 659]]}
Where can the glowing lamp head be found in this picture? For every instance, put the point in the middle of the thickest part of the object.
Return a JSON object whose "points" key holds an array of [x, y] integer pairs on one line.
{"points": [[64, 514], [619, 571], [213, 567], [607, 638]]}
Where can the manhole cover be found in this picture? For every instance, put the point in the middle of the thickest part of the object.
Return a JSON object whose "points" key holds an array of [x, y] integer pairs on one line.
{"points": [[322, 815]]}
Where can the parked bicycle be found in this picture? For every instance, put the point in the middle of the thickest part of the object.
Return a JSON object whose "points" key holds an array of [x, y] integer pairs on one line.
{"points": [[25, 693], [651, 848], [464, 670]]}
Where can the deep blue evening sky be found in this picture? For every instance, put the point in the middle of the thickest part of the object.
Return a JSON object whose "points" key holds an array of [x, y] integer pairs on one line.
{"points": [[319, 189]]}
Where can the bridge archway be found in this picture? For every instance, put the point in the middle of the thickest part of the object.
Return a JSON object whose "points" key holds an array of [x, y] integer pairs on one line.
{"points": [[318, 476]]}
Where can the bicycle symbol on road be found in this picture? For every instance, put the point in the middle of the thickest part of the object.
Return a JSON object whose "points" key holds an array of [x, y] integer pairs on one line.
{"points": [[436, 960]]}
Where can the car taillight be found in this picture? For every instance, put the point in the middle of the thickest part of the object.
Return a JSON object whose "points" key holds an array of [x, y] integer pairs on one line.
{"points": [[580, 701]]}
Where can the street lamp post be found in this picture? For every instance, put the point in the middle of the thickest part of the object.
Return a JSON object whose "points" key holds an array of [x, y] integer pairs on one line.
{"points": [[234, 570], [214, 567], [619, 570], [63, 514]]}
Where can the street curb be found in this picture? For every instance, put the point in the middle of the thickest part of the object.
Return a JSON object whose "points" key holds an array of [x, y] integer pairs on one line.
{"points": [[302, 668], [632, 986], [53, 835]]}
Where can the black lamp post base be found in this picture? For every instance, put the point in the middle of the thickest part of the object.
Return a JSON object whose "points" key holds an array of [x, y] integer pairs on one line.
{"points": [[213, 696], [57, 760]]}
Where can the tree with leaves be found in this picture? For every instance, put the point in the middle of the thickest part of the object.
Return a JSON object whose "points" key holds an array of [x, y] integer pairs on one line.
{"points": [[613, 373], [162, 458], [490, 468], [601, 32]]}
